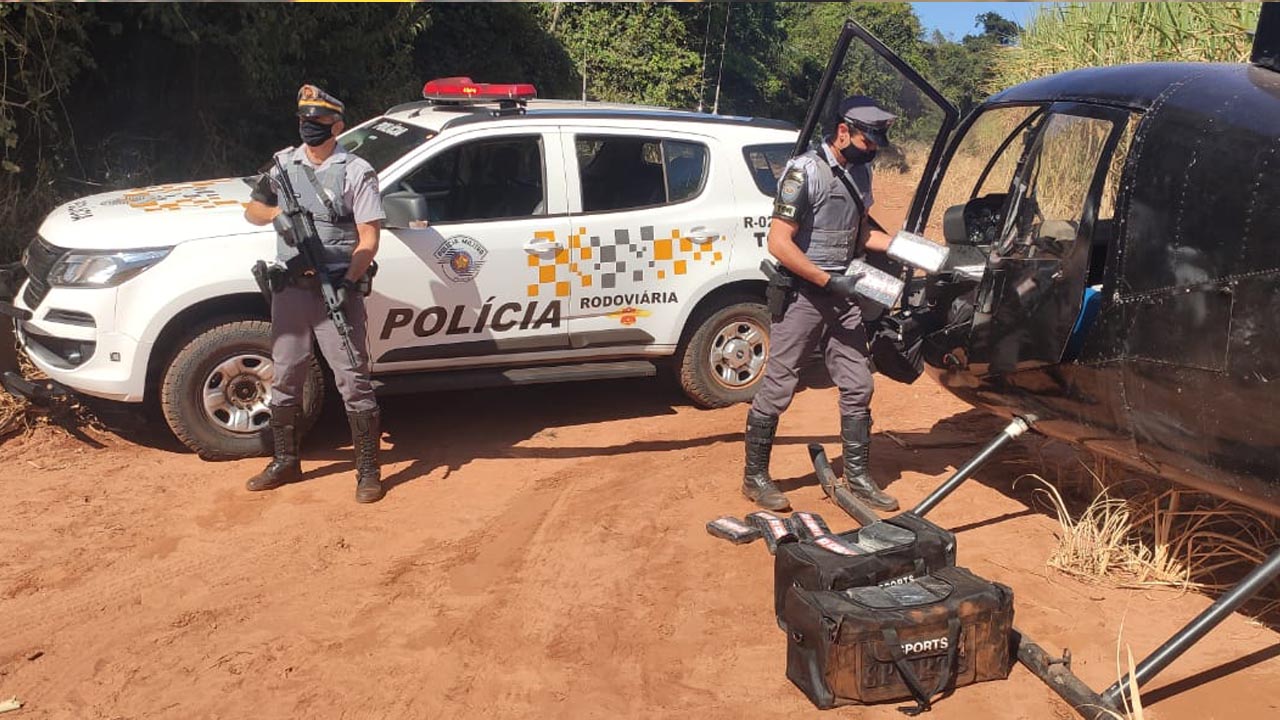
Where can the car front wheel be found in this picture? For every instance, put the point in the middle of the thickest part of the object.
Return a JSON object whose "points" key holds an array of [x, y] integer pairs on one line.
{"points": [[216, 392], [722, 361]]}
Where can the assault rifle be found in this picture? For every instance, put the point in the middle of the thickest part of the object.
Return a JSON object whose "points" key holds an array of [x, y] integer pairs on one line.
{"points": [[299, 227]]}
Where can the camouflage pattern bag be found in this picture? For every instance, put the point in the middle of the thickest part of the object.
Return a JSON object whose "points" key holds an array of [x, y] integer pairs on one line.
{"points": [[910, 641]]}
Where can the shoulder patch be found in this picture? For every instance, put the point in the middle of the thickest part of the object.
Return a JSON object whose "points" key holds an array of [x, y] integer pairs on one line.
{"points": [[793, 192]]}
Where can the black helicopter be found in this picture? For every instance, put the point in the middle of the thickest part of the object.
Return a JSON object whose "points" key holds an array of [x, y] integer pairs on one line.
{"points": [[1113, 277]]}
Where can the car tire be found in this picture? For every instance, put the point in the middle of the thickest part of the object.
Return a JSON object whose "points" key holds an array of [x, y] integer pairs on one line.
{"points": [[721, 362], [215, 390]]}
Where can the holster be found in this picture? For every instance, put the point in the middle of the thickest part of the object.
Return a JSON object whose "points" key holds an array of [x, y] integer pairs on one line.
{"points": [[780, 291], [365, 283], [270, 278]]}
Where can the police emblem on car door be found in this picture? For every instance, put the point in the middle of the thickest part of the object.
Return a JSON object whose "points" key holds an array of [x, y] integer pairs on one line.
{"points": [[459, 288]]}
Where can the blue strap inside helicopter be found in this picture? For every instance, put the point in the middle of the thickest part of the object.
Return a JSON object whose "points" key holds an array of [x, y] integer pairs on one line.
{"points": [[1088, 313]]}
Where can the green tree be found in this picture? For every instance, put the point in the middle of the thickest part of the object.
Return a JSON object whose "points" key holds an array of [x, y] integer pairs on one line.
{"points": [[639, 52], [105, 96], [495, 42], [999, 28], [43, 51], [964, 71]]}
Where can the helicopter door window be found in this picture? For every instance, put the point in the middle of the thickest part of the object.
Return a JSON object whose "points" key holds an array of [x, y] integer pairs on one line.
{"points": [[966, 208], [1104, 228], [1049, 195]]}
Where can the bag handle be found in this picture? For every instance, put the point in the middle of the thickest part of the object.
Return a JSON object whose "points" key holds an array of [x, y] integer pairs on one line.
{"points": [[945, 676]]}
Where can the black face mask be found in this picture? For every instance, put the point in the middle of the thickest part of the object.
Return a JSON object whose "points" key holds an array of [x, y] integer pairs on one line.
{"points": [[855, 155], [314, 133]]}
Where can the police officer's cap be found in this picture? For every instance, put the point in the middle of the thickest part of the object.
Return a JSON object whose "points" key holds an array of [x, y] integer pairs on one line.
{"points": [[313, 102], [864, 114]]}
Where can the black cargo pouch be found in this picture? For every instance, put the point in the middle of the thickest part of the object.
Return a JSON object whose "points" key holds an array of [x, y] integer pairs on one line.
{"points": [[780, 291], [924, 699]]}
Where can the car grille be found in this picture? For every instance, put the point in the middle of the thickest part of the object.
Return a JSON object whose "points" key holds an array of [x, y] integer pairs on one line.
{"points": [[38, 261]]}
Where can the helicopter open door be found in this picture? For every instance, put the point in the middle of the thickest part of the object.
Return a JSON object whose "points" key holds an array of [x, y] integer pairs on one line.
{"points": [[1028, 180], [862, 65], [1033, 296]]}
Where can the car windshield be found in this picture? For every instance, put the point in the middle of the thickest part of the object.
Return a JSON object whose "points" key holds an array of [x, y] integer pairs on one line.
{"points": [[384, 141]]}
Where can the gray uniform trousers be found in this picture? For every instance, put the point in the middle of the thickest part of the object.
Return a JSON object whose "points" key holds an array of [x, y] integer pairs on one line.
{"points": [[296, 313], [793, 339]]}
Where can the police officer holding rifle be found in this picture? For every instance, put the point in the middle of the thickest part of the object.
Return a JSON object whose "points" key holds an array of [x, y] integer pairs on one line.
{"points": [[325, 207], [820, 225]]}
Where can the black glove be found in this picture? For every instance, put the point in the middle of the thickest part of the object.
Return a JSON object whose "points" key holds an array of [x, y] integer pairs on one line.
{"points": [[842, 285]]}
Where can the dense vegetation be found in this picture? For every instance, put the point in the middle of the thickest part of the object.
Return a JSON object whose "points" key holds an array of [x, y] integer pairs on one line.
{"points": [[99, 96]]}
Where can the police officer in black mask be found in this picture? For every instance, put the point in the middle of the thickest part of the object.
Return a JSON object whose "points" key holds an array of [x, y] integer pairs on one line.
{"points": [[819, 226], [340, 191]]}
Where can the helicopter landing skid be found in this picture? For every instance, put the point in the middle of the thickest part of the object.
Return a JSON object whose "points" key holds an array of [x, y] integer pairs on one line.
{"points": [[1056, 672]]}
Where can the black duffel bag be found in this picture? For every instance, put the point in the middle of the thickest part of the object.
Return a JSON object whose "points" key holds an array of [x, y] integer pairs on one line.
{"points": [[910, 641], [892, 551], [896, 344]]}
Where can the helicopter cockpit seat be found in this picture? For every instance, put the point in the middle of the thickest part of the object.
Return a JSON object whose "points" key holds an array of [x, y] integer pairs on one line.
{"points": [[1054, 238]]}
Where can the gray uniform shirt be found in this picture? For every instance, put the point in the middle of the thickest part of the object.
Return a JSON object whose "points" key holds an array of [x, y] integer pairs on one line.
{"points": [[827, 218], [360, 191], [859, 174]]}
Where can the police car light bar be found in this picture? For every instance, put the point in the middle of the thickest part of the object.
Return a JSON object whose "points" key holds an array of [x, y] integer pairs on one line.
{"points": [[462, 90]]}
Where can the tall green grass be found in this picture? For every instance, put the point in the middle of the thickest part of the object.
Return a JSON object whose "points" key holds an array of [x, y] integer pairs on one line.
{"points": [[1076, 35]]}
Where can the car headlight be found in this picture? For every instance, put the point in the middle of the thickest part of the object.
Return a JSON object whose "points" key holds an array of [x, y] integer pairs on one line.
{"points": [[102, 269]]}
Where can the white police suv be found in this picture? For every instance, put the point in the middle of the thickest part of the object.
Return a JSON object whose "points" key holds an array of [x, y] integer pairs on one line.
{"points": [[527, 241]]}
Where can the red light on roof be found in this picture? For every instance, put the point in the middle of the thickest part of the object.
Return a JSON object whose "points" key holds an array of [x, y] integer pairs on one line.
{"points": [[462, 88]]}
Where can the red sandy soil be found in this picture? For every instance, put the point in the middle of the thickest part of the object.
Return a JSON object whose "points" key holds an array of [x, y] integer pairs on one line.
{"points": [[541, 553]]}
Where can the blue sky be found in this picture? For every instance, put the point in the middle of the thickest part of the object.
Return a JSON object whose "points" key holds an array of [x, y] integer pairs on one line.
{"points": [[955, 19]]}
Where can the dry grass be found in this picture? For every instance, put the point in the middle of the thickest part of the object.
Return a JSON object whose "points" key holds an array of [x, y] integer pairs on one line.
{"points": [[1129, 531], [16, 414], [68, 416], [1132, 536], [13, 413]]}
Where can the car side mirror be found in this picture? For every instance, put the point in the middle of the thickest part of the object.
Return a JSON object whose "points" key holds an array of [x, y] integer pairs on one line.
{"points": [[404, 209]]}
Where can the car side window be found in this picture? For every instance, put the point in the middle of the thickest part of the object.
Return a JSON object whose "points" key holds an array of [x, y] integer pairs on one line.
{"points": [[482, 180], [623, 173], [686, 166], [765, 163]]}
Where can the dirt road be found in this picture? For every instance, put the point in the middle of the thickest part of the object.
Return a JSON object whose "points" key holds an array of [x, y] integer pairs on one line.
{"points": [[541, 553]]}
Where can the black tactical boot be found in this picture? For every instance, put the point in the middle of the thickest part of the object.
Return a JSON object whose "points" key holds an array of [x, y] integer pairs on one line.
{"points": [[365, 438], [756, 483], [285, 467], [855, 432]]}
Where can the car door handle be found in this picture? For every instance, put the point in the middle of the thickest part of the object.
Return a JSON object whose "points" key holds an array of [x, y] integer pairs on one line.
{"points": [[541, 245], [701, 234]]}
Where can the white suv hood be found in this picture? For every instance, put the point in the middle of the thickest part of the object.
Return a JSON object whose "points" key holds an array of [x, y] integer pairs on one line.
{"points": [[156, 216]]}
